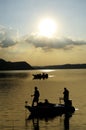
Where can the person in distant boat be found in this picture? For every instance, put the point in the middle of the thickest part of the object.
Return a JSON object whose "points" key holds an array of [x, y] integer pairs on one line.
{"points": [[36, 96], [46, 102], [66, 95]]}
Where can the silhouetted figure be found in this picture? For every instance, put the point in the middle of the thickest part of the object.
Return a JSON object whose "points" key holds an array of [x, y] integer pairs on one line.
{"points": [[46, 101], [66, 95], [43, 76], [36, 96]]}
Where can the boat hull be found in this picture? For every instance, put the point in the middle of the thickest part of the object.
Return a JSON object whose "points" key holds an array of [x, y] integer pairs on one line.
{"points": [[53, 110]]}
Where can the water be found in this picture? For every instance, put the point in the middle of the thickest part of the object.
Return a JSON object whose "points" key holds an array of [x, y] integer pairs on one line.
{"points": [[17, 86]]}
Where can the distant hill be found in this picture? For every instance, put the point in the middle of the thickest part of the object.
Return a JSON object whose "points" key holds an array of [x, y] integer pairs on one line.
{"points": [[65, 66], [22, 65]]}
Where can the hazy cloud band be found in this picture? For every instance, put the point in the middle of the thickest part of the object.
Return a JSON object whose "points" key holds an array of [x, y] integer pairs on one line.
{"points": [[8, 37], [53, 43]]}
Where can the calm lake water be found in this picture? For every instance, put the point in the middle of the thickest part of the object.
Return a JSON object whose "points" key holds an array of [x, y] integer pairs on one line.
{"points": [[16, 87]]}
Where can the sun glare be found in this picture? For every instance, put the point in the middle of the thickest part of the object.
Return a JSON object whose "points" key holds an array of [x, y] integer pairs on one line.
{"points": [[47, 27]]}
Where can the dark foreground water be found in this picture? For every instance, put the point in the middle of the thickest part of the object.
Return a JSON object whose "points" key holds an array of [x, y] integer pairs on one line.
{"points": [[17, 86]]}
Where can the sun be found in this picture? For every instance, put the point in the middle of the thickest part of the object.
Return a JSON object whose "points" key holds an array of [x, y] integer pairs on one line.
{"points": [[47, 27]]}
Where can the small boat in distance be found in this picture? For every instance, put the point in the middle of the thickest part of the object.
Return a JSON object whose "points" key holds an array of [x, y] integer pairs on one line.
{"points": [[46, 109], [40, 76]]}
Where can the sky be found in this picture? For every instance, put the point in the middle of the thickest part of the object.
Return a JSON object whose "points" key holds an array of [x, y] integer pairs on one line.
{"points": [[43, 32]]}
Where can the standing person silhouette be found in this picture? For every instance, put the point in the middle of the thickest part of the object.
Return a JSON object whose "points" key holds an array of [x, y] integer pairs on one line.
{"points": [[36, 96], [66, 95]]}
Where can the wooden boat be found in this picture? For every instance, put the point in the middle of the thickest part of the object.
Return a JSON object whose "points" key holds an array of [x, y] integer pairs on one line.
{"points": [[50, 109], [40, 76]]}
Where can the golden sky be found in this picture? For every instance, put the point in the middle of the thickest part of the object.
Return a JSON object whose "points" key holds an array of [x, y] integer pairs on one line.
{"points": [[43, 32]]}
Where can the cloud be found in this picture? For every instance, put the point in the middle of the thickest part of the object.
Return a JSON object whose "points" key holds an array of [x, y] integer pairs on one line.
{"points": [[7, 42], [53, 43], [7, 37]]}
